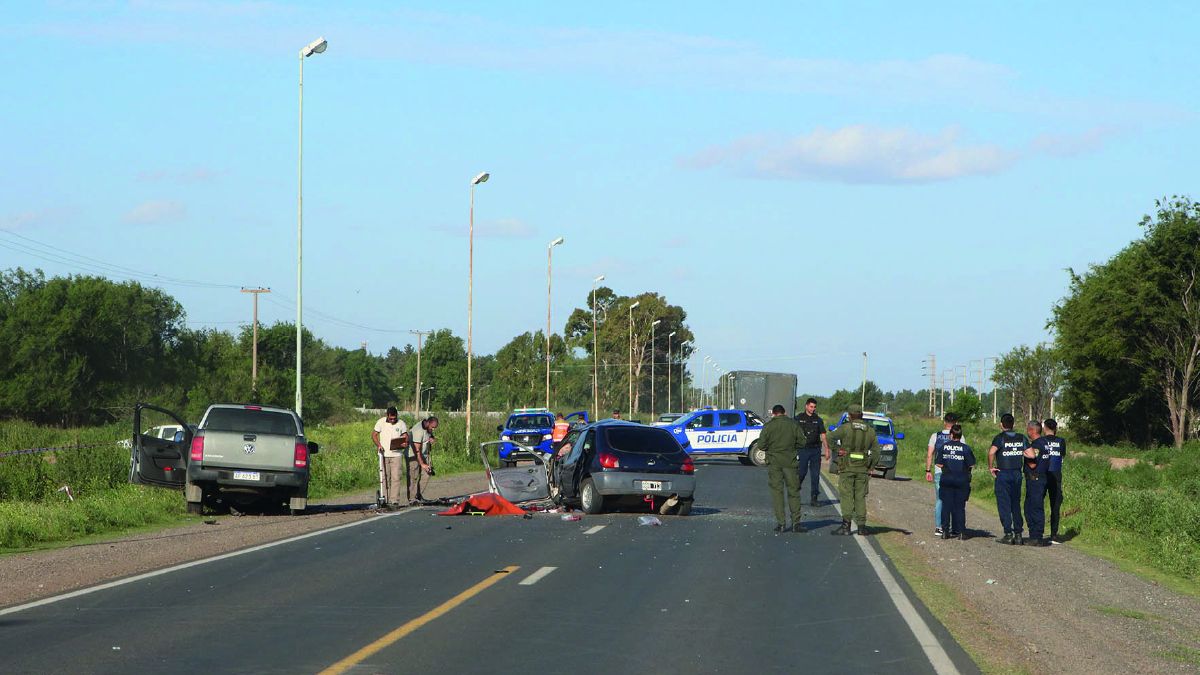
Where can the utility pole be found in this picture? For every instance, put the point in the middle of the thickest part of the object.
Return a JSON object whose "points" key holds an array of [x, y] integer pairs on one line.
{"points": [[863, 402], [991, 377], [254, 349], [420, 334], [930, 368]]}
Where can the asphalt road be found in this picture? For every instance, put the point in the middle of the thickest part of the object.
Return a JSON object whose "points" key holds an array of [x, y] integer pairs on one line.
{"points": [[414, 593]]}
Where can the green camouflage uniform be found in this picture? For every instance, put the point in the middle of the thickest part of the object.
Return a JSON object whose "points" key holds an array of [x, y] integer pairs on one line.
{"points": [[857, 438], [781, 439]]}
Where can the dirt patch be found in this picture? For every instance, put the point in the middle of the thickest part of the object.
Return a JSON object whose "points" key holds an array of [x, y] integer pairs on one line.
{"points": [[29, 576], [1043, 610]]}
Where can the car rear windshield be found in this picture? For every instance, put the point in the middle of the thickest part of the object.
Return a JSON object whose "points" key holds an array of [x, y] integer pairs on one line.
{"points": [[247, 421], [530, 422], [882, 427], [641, 439]]}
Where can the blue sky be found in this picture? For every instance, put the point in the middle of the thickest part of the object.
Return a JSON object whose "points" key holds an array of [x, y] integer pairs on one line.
{"points": [[809, 181]]}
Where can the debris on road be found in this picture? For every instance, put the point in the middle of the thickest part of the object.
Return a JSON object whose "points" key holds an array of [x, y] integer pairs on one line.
{"points": [[571, 517], [649, 520], [991, 582]]}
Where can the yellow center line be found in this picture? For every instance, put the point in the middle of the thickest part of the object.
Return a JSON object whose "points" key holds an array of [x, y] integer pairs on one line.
{"points": [[399, 633]]}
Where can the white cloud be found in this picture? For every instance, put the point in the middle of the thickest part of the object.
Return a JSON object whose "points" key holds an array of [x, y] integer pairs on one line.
{"points": [[156, 212], [33, 218], [858, 154], [1072, 145]]}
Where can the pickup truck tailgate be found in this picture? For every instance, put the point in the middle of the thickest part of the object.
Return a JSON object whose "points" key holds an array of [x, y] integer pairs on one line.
{"points": [[248, 450]]}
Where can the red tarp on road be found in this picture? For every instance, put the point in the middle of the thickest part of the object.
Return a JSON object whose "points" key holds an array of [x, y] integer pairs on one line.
{"points": [[487, 503]]}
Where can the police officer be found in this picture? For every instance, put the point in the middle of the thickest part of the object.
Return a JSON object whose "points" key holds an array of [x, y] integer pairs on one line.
{"points": [[955, 459], [780, 439], [1035, 486], [813, 429], [933, 473], [855, 446], [1005, 458], [1052, 449]]}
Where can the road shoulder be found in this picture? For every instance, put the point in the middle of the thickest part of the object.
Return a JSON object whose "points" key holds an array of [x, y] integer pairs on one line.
{"points": [[1037, 610], [25, 577]]}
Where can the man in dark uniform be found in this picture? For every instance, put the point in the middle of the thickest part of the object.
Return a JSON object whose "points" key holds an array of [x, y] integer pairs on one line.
{"points": [[813, 429], [1005, 458], [855, 445], [1035, 486], [780, 439], [955, 459], [1053, 449]]}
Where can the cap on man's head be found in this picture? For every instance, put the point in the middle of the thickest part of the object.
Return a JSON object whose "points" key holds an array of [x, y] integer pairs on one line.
{"points": [[778, 410], [854, 409]]}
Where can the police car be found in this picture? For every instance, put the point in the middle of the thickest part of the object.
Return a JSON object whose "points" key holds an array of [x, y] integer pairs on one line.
{"points": [[720, 432], [530, 428], [886, 435]]}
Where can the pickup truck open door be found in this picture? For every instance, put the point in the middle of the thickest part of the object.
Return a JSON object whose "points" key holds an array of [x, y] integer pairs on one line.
{"points": [[159, 461]]}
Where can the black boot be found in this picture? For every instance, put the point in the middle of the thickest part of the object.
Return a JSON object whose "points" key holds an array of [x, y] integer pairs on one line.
{"points": [[799, 527], [1006, 539], [780, 528], [844, 529], [1018, 540], [862, 531]]}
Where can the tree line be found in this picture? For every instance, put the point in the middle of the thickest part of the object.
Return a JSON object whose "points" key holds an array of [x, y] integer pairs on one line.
{"points": [[83, 349]]}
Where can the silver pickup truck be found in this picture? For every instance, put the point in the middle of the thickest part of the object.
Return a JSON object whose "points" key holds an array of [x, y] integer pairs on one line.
{"points": [[238, 454]]}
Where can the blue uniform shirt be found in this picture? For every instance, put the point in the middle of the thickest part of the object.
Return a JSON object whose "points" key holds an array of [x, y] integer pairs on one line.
{"points": [[1010, 450], [1050, 453], [955, 457]]}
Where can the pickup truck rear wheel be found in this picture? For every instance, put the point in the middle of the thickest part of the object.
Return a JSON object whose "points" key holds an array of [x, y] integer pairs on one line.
{"points": [[590, 499], [758, 456]]}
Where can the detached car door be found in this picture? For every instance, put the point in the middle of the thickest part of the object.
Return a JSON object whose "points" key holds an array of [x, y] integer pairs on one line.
{"points": [[159, 461]]}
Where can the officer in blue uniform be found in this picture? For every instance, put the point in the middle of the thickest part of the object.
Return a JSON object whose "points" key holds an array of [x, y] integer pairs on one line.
{"points": [[1053, 449], [1005, 459], [1035, 486], [955, 459]]}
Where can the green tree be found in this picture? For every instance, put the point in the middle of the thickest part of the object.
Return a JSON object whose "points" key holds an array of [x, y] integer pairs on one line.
{"points": [[1129, 334], [968, 406], [1033, 375], [72, 347]]}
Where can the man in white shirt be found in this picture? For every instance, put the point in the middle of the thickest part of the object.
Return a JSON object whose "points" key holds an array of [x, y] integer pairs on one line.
{"points": [[391, 439], [933, 473]]}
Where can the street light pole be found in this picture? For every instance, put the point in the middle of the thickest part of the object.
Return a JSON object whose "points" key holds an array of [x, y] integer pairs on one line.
{"points": [[480, 178], [549, 259], [595, 356], [704, 380], [317, 46], [652, 360], [863, 401], [630, 366], [669, 336], [682, 377]]}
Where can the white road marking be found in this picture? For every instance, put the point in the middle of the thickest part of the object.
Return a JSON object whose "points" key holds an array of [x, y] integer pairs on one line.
{"points": [[194, 563], [537, 576], [933, 649], [594, 530]]}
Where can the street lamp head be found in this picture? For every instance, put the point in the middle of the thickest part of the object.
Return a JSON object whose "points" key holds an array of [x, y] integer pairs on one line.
{"points": [[481, 178], [598, 279], [556, 242], [671, 334], [655, 322], [634, 305], [317, 46]]}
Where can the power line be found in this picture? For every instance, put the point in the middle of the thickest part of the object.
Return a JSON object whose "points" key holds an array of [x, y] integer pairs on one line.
{"points": [[56, 254]]}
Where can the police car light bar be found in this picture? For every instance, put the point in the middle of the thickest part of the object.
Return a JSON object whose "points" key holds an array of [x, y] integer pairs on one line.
{"points": [[531, 410]]}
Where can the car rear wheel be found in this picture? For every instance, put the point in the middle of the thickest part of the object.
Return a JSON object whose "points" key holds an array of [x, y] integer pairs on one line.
{"points": [[758, 456], [590, 499]]}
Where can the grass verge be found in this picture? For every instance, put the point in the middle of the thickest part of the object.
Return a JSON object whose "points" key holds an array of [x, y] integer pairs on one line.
{"points": [[952, 609]]}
